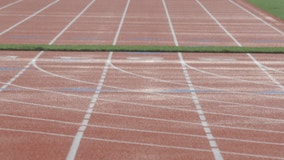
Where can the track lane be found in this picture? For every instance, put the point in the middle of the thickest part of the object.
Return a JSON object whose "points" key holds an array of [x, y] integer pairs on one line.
{"points": [[111, 113], [12, 63], [54, 99], [151, 23], [18, 22], [270, 153], [195, 29], [97, 25], [128, 109], [33, 124], [249, 29], [141, 117], [36, 28]]}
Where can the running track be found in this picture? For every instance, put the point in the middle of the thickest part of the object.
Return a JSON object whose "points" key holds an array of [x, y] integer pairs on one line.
{"points": [[61, 105]]}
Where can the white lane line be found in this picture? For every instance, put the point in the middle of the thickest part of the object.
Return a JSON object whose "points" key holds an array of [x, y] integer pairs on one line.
{"points": [[169, 108], [273, 69], [94, 98], [64, 29], [213, 144], [202, 71], [257, 156], [48, 91], [139, 117], [269, 120], [156, 79], [137, 91], [106, 127], [29, 17], [35, 132], [264, 69], [121, 23], [39, 119], [229, 77], [136, 143], [10, 4], [33, 61], [258, 18], [76, 141], [251, 57], [240, 45], [20, 72], [106, 140], [146, 77], [135, 130], [146, 92], [37, 105], [219, 24], [139, 130], [170, 24]]}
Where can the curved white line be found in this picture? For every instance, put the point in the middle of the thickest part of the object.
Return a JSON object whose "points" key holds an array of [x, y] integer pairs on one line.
{"points": [[228, 77], [237, 79], [146, 77], [109, 100], [216, 89], [129, 116], [140, 91]]}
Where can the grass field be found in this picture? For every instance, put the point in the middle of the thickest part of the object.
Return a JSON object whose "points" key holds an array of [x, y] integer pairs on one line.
{"points": [[118, 48], [274, 7]]}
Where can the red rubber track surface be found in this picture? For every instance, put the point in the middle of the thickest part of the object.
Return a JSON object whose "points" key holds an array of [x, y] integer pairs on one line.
{"points": [[146, 106]]}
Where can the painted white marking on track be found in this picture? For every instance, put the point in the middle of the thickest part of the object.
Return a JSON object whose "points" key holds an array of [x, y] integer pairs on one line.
{"points": [[165, 81], [10, 4], [29, 17], [66, 27], [146, 59], [170, 24], [121, 23], [20, 72], [136, 143], [214, 148], [263, 68], [219, 24], [258, 18], [137, 130], [239, 44], [218, 59], [8, 57], [75, 59], [76, 141]]}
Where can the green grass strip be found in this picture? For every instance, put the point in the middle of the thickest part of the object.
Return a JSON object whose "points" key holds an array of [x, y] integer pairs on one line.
{"points": [[121, 48], [274, 7]]}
